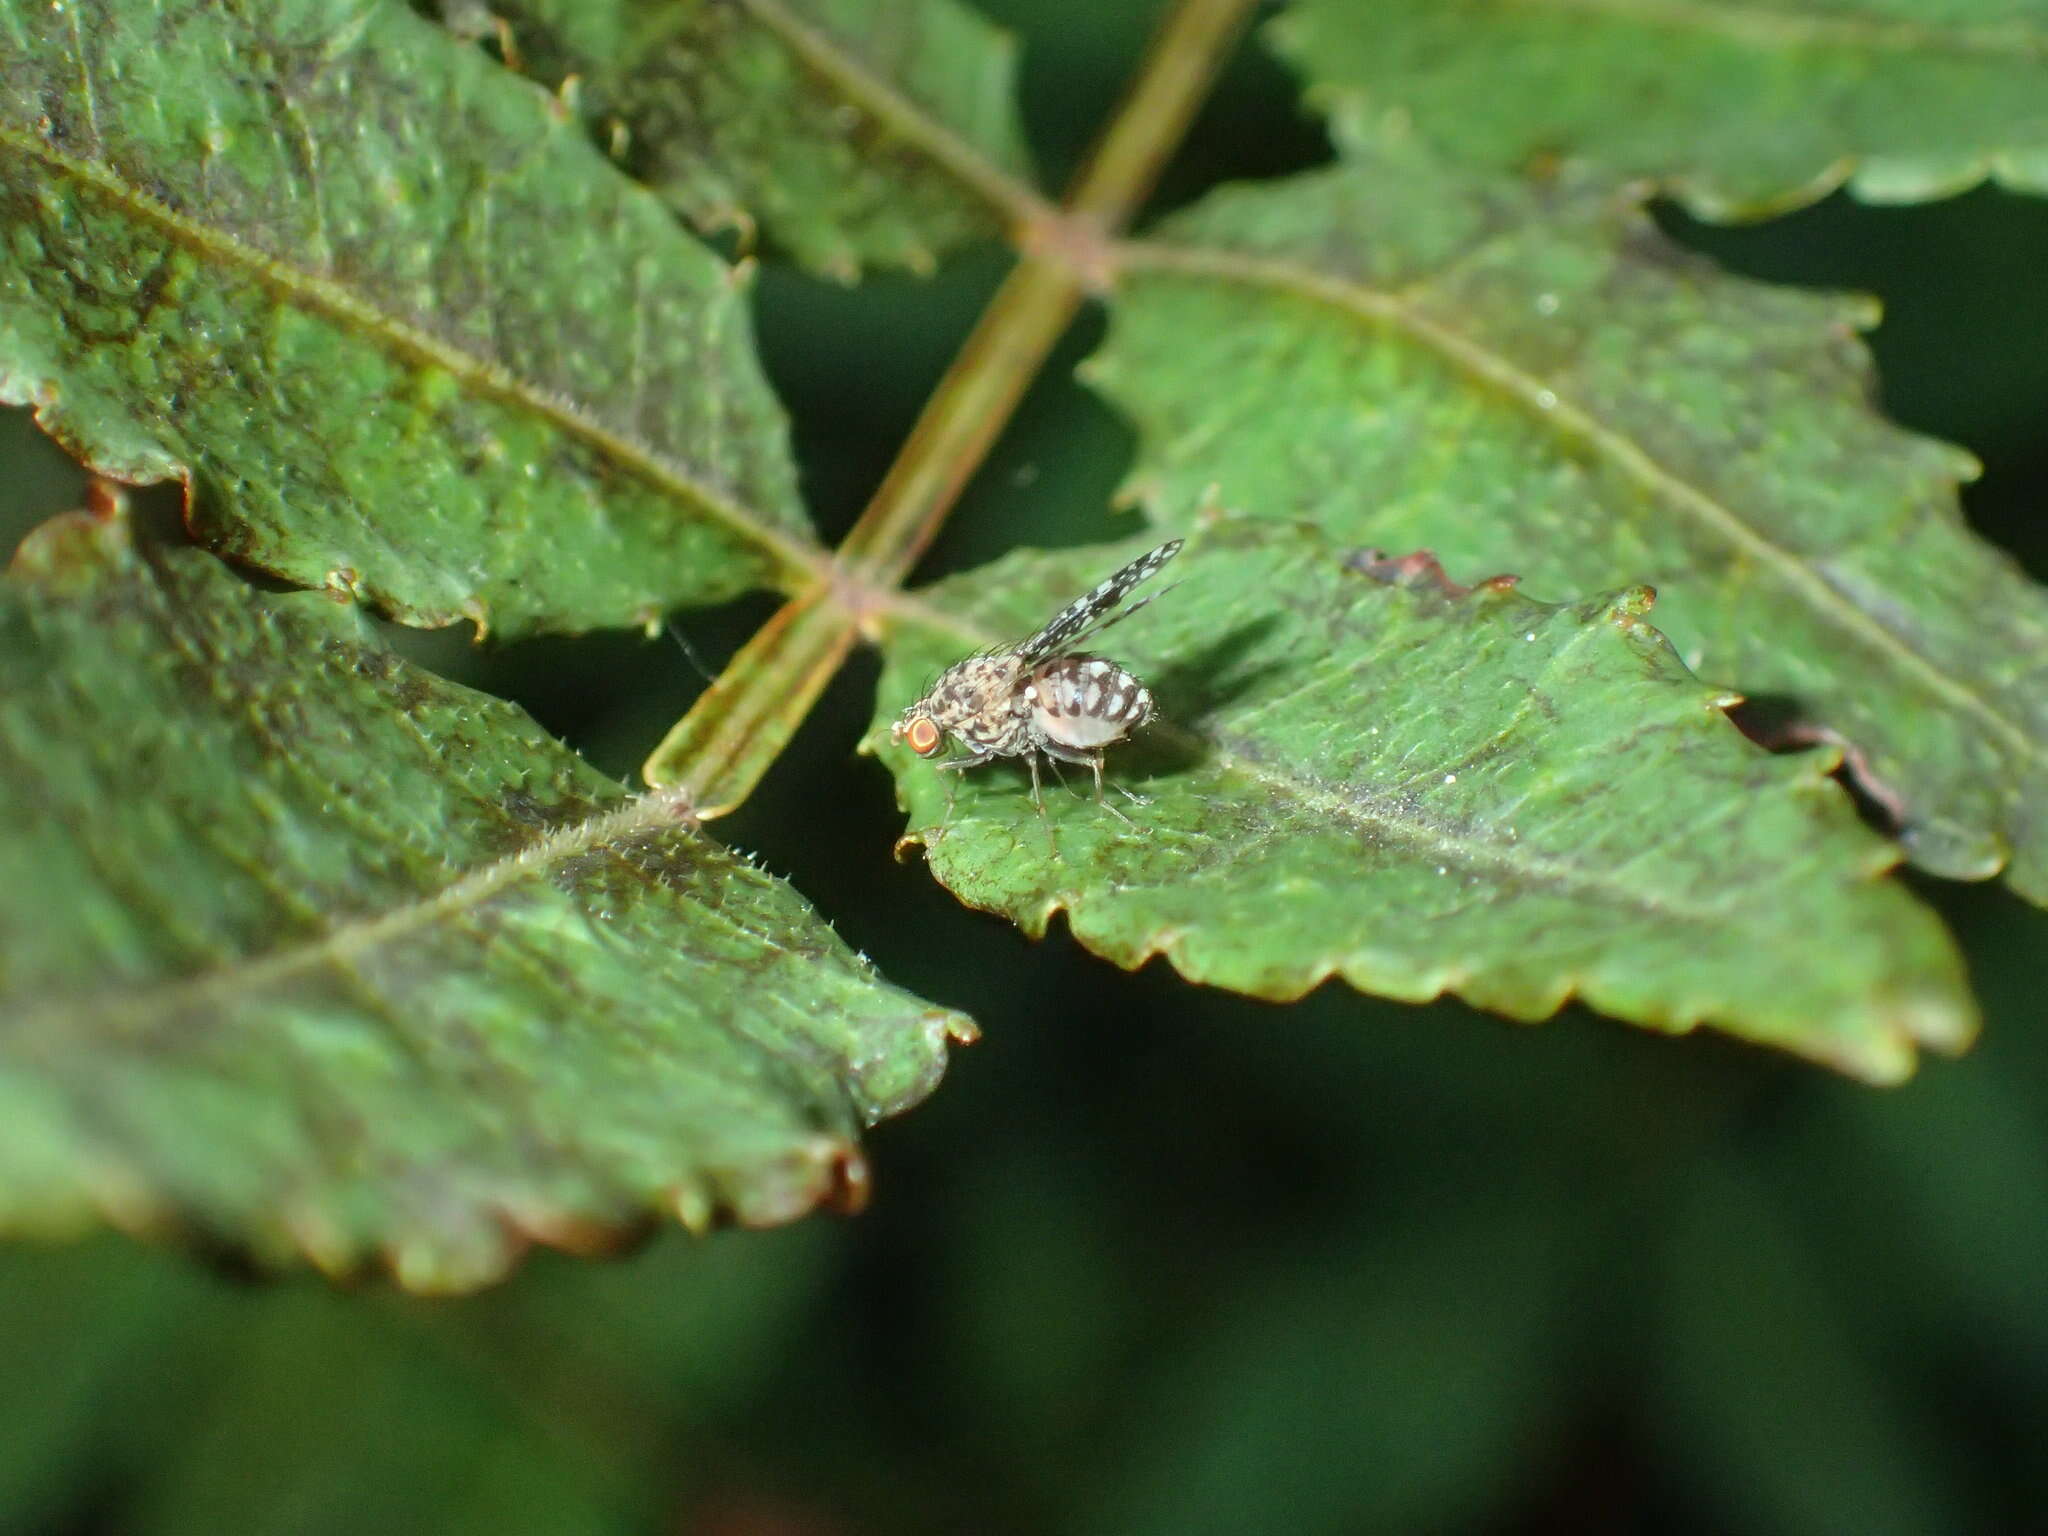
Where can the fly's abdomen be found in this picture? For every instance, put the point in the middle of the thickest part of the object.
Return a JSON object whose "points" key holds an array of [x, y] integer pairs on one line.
{"points": [[1084, 702]]}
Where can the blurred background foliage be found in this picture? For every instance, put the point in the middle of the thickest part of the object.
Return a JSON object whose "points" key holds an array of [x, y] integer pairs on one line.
{"points": [[1156, 1260]]}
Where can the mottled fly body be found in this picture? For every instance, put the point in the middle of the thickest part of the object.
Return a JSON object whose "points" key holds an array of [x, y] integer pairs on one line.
{"points": [[1043, 696]]}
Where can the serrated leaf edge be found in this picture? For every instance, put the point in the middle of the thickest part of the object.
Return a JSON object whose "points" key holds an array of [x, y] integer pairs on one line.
{"points": [[316, 294], [1569, 419], [1885, 1057], [861, 86], [1877, 178]]}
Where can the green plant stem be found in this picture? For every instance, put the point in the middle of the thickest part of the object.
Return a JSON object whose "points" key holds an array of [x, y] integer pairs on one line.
{"points": [[721, 748], [1064, 257], [718, 751]]}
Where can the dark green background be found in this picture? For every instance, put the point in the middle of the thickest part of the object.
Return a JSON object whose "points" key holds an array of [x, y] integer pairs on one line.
{"points": [[1156, 1260]]}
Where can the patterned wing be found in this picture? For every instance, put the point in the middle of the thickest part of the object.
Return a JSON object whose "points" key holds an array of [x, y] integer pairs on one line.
{"points": [[1085, 616]]}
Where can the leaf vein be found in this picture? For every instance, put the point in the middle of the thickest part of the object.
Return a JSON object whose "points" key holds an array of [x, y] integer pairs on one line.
{"points": [[1545, 404], [48, 1026], [322, 295], [1016, 199]]}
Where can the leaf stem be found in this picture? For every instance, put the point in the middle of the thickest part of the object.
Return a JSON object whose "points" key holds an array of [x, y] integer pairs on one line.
{"points": [[719, 751], [1064, 257], [737, 728]]}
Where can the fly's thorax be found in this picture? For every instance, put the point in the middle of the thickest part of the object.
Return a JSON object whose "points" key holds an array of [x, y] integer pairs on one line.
{"points": [[1085, 702]]}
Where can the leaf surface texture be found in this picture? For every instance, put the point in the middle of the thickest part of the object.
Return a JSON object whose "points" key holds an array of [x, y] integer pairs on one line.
{"points": [[405, 329], [848, 132], [306, 947], [1529, 378], [1739, 107], [1367, 772]]}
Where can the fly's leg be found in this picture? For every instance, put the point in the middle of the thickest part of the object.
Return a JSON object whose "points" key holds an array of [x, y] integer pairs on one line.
{"points": [[952, 765], [1091, 760], [1129, 794], [1096, 764], [1038, 801]]}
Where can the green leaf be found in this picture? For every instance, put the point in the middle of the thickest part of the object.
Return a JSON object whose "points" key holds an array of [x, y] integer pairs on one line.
{"points": [[1531, 379], [1738, 109], [309, 949], [404, 329], [850, 132], [1425, 790]]}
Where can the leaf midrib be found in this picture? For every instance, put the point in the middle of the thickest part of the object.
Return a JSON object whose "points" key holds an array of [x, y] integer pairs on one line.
{"points": [[52, 1026], [861, 86], [1562, 414], [340, 305], [1486, 859]]}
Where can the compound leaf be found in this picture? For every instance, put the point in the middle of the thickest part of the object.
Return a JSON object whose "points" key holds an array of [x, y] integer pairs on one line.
{"points": [[1529, 378], [1738, 109], [1366, 771], [849, 132], [313, 951], [403, 328]]}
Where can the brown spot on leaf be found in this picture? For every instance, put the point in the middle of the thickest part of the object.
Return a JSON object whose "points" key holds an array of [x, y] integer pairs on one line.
{"points": [[1419, 570]]}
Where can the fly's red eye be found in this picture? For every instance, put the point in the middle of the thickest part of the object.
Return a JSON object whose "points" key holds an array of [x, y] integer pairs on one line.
{"points": [[923, 737]]}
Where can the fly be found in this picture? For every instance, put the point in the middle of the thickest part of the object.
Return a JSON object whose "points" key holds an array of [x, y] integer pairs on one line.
{"points": [[1043, 696]]}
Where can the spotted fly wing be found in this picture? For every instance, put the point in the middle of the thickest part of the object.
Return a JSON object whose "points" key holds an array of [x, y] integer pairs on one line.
{"points": [[1095, 612]]}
